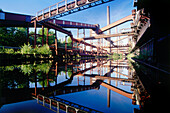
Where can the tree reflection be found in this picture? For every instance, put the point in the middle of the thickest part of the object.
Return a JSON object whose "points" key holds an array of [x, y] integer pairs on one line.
{"points": [[18, 76]]}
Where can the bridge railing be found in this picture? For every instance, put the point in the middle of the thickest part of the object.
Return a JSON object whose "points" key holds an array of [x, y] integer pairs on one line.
{"points": [[64, 105], [61, 7]]}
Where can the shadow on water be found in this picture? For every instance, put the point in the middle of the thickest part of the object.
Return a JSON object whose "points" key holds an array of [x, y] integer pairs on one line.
{"points": [[93, 85]]}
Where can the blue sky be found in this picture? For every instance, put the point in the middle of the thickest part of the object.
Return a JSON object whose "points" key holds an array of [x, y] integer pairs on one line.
{"points": [[94, 15]]}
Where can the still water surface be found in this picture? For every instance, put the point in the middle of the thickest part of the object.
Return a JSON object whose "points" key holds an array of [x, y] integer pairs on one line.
{"points": [[113, 94]]}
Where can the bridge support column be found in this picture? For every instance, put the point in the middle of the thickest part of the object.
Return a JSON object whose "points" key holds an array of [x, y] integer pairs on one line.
{"points": [[72, 41], [42, 35], [47, 36], [108, 95], [35, 84], [35, 30], [66, 46], [27, 34], [56, 48], [66, 71]]}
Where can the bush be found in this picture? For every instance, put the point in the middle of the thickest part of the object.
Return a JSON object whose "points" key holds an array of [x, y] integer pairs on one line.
{"points": [[116, 56], [43, 50], [7, 51], [26, 49]]}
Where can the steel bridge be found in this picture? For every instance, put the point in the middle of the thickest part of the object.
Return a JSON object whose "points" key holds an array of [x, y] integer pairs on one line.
{"points": [[66, 7], [46, 18]]}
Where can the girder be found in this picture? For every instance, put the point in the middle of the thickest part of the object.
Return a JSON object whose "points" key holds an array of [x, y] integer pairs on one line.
{"points": [[116, 23], [107, 36], [57, 10]]}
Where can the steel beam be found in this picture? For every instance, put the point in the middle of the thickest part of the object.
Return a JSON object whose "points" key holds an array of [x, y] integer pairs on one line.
{"points": [[58, 28], [114, 24], [107, 36], [117, 90]]}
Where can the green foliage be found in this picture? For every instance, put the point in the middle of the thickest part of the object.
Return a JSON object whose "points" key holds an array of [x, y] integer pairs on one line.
{"points": [[7, 68], [7, 51], [45, 67], [129, 56], [13, 37], [26, 69], [43, 50], [62, 44], [50, 38], [116, 56], [26, 49]]}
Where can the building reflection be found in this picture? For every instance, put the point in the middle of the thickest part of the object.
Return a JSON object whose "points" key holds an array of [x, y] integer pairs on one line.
{"points": [[56, 78]]}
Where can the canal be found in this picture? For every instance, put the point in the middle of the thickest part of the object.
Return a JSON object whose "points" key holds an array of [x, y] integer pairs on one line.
{"points": [[78, 86]]}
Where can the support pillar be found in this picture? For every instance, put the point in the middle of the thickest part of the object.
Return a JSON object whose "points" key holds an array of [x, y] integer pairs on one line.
{"points": [[78, 33], [72, 41], [35, 37], [66, 46], [28, 35], [35, 84], [56, 48], [47, 36], [42, 35], [108, 95], [117, 41]]}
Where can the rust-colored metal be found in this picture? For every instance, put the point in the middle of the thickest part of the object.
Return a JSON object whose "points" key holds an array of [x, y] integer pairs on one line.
{"points": [[56, 48], [117, 90], [35, 31], [47, 36], [27, 34], [66, 45], [114, 24], [42, 35]]}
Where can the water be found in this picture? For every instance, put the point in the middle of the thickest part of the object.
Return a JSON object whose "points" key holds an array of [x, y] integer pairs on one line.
{"points": [[115, 92]]}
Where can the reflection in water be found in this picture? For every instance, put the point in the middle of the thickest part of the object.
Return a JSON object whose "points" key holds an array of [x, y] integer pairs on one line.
{"points": [[98, 85]]}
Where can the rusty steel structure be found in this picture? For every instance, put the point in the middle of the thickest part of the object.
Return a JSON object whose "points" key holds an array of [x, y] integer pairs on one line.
{"points": [[46, 18], [66, 7]]}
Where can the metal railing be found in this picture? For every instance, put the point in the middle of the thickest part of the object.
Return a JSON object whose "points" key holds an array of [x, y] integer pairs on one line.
{"points": [[57, 104], [60, 7]]}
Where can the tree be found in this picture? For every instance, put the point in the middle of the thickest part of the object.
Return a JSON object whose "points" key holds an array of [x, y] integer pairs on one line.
{"points": [[50, 38], [13, 37]]}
